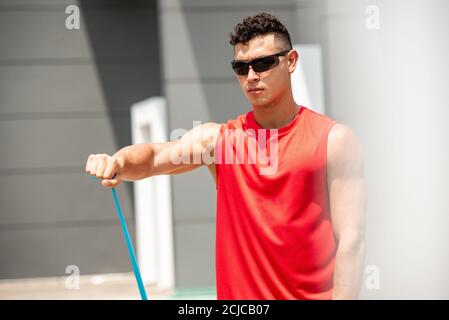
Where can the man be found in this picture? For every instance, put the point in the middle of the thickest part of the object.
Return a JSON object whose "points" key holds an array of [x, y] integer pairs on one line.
{"points": [[293, 231]]}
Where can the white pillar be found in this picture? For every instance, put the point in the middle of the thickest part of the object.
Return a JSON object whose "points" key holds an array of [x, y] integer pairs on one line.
{"points": [[154, 222]]}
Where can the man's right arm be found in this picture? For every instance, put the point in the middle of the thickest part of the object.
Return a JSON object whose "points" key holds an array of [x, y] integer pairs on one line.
{"points": [[139, 161]]}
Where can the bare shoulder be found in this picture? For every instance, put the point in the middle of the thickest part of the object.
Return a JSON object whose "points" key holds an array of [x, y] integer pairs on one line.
{"points": [[341, 136], [211, 129], [344, 150], [202, 134], [208, 133]]}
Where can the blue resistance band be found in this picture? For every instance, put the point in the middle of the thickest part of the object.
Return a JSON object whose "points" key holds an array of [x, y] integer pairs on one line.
{"points": [[129, 244]]}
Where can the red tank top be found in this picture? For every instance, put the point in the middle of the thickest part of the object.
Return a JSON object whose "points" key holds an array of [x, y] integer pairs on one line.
{"points": [[274, 237]]}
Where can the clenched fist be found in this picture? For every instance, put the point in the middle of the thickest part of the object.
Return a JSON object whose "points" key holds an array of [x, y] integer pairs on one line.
{"points": [[106, 168]]}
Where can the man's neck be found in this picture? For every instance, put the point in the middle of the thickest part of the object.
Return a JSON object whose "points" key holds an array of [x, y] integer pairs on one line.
{"points": [[277, 115]]}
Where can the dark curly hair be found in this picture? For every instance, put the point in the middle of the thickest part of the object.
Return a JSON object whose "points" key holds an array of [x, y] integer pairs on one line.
{"points": [[257, 25]]}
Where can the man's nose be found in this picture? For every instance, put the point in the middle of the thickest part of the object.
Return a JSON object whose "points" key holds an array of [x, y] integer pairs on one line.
{"points": [[252, 75]]}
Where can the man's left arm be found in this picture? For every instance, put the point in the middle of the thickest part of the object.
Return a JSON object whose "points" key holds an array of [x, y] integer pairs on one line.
{"points": [[347, 196]]}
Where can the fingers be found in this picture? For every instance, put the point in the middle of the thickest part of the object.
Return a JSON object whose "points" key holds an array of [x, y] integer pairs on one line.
{"points": [[104, 167], [91, 166], [102, 163], [111, 168], [88, 163], [94, 159]]}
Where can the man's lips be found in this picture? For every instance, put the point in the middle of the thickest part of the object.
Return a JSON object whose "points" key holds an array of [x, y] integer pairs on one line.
{"points": [[254, 90]]}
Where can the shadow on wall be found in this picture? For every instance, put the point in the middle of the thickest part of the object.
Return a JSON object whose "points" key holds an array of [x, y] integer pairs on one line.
{"points": [[124, 41]]}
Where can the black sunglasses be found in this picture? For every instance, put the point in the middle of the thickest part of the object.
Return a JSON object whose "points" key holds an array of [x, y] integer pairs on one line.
{"points": [[261, 64]]}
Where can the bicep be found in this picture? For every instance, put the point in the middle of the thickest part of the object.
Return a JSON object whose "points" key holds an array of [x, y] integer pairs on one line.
{"points": [[188, 152], [346, 185]]}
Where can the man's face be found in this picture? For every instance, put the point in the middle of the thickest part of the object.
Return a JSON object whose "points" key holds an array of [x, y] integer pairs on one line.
{"points": [[268, 87]]}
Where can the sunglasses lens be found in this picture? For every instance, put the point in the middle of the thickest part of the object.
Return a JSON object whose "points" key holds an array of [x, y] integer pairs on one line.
{"points": [[264, 64], [240, 68]]}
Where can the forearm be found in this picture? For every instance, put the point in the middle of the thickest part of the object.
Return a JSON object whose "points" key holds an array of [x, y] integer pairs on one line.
{"points": [[348, 272], [135, 161]]}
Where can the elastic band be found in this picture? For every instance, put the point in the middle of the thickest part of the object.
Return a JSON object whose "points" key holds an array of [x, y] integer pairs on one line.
{"points": [[129, 244]]}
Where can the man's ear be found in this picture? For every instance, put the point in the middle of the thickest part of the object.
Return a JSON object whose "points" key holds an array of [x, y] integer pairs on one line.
{"points": [[293, 58]]}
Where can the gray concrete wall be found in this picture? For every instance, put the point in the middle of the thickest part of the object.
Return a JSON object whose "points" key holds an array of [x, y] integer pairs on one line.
{"points": [[63, 95]]}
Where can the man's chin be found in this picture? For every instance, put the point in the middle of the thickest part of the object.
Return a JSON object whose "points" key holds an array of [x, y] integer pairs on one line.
{"points": [[261, 106], [258, 101]]}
